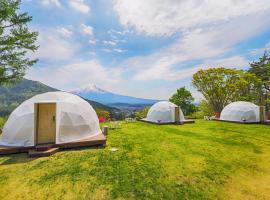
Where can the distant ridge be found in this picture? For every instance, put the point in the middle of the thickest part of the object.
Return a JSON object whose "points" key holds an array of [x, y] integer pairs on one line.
{"points": [[94, 93]]}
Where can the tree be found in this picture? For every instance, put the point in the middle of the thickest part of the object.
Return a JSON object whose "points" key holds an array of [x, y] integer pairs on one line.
{"points": [[184, 99], [142, 113], [15, 41], [103, 114], [261, 69], [220, 86], [205, 108]]}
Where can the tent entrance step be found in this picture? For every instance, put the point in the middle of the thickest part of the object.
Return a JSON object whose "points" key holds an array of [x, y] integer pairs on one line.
{"points": [[44, 153], [44, 147]]}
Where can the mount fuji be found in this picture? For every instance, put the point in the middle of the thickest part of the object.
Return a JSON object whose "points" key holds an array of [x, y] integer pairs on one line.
{"points": [[94, 93]]}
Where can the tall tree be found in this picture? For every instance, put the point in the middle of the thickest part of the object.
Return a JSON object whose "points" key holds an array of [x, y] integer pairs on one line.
{"points": [[184, 99], [220, 86], [15, 41], [261, 69]]}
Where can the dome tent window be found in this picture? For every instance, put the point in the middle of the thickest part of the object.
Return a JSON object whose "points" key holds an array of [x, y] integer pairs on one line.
{"points": [[53, 117]]}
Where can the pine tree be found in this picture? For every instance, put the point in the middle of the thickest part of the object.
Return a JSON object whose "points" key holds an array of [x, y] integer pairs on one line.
{"points": [[16, 40]]}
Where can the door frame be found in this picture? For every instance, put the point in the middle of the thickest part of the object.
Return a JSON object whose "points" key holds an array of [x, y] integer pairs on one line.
{"points": [[36, 114], [177, 114]]}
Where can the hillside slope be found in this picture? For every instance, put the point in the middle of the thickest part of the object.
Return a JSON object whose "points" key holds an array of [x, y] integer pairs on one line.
{"points": [[12, 96]]}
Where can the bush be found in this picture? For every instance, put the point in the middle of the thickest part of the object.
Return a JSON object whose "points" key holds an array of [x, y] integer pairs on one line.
{"points": [[102, 114], [2, 121], [195, 115], [203, 109], [142, 114]]}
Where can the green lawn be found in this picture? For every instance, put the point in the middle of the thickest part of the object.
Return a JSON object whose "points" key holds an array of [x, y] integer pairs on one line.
{"points": [[206, 160]]}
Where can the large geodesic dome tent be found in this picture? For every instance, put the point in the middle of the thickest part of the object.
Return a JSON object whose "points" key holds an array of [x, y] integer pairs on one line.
{"points": [[241, 111], [164, 112], [53, 117]]}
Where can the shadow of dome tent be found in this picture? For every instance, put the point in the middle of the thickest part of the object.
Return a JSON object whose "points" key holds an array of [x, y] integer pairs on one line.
{"points": [[70, 118], [165, 112]]}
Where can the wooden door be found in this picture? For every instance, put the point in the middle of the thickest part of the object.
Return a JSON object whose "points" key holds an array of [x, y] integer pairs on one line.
{"points": [[177, 114], [46, 128]]}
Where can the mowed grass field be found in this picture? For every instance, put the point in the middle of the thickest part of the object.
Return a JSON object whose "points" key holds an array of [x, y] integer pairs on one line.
{"points": [[205, 160]]}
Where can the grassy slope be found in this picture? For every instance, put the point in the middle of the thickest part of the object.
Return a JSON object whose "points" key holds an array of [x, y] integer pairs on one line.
{"points": [[206, 160]]}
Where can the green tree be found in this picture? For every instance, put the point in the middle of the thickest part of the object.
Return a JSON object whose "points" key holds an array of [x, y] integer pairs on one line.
{"points": [[261, 69], [206, 108], [184, 99], [142, 113], [220, 86], [15, 41]]}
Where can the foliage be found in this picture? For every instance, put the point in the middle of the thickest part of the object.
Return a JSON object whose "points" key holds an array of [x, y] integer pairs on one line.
{"points": [[195, 115], [2, 121], [261, 69], [220, 86], [184, 99], [103, 114], [15, 41], [205, 160], [203, 109], [142, 113], [206, 108]]}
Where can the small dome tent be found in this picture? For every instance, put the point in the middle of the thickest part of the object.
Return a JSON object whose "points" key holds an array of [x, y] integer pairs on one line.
{"points": [[164, 112], [241, 111], [53, 117]]}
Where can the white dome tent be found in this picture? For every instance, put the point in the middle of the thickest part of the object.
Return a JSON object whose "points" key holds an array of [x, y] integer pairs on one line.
{"points": [[241, 111], [53, 117], [165, 112]]}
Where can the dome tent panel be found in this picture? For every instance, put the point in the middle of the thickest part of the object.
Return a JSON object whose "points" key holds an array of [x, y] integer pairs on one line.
{"points": [[241, 111], [81, 120]]}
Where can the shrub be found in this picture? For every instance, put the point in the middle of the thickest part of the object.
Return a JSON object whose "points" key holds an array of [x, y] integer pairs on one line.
{"points": [[2, 121]]}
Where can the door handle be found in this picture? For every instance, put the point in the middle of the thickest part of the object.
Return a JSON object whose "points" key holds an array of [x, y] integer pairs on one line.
{"points": [[53, 118]]}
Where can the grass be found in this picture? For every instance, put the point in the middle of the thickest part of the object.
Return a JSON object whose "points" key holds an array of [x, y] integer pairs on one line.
{"points": [[206, 160]]}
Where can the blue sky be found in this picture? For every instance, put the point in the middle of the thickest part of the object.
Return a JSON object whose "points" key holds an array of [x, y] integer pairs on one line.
{"points": [[143, 48]]}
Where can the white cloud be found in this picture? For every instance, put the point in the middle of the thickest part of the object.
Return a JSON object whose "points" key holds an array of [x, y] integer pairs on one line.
{"points": [[159, 17], [80, 5], [51, 2], [260, 51], [114, 50], [64, 31], [53, 46], [92, 41], [88, 30], [165, 73], [76, 74], [119, 50], [112, 43], [113, 32], [198, 44], [107, 50], [92, 53]]}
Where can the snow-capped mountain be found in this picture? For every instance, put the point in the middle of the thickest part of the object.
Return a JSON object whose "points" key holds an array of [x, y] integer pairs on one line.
{"points": [[94, 93], [89, 88]]}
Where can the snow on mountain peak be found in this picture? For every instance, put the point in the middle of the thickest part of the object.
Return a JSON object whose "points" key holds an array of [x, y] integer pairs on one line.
{"points": [[89, 88]]}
